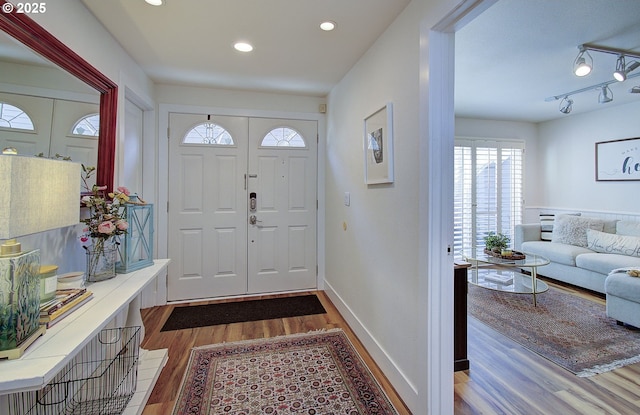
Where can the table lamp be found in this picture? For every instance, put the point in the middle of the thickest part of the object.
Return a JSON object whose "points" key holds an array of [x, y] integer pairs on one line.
{"points": [[36, 194]]}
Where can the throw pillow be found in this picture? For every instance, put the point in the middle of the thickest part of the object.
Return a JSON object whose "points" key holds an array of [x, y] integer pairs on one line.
{"points": [[609, 243], [546, 225], [572, 230], [628, 227]]}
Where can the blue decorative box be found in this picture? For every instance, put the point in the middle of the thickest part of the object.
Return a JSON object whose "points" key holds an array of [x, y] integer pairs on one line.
{"points": [[135, 249]]}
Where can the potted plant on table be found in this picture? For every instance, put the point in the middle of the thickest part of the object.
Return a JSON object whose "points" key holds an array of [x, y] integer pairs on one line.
{"points": [[497, 244]]}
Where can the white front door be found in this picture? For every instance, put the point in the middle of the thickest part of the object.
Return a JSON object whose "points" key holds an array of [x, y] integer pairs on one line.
{"points": [[219, 242], [282, 232], [207, 209]]}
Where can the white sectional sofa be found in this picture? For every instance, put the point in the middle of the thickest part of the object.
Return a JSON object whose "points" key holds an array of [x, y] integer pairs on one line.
{"points": [[582, 250]]}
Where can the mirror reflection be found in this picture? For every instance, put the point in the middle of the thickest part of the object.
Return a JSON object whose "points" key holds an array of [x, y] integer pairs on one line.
{"points": [[44, 110]]}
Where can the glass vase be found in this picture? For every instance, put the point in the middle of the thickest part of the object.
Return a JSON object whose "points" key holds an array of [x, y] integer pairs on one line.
{"points": [[101, 260]]}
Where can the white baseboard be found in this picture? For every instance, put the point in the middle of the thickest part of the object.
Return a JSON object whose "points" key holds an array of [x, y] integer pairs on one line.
{"points": [[407, 390]]}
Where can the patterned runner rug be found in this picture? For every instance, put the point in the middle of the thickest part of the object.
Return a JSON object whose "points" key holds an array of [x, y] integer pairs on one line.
{"points": [[570, 331], [312, 373]]}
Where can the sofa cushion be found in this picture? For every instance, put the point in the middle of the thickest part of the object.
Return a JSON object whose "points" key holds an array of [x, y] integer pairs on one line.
{"points": [[572, 230], [546, 225], [624, 286], [613, 243], [628, 227], [555, 252], [605, 263]]}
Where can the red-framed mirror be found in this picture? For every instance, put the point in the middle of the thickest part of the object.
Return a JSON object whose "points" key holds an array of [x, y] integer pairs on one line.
{"points": [[31, 34]]}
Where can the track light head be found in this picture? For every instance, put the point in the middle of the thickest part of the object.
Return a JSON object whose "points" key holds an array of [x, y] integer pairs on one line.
{"points": [[583, 64], [605, 95], [620, 73], [566, 105]]}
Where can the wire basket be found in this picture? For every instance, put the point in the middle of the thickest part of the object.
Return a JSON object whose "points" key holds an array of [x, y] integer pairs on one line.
{"points": [[101, 379]]}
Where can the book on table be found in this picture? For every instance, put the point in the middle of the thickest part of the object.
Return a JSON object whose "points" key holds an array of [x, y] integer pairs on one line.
{"points": [[66, 302], [505, 279]]}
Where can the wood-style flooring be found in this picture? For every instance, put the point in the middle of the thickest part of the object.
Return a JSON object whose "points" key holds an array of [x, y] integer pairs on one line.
{"points": [[504, 377], [180, 342]]}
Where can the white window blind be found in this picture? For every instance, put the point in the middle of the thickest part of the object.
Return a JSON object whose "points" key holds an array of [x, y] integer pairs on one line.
{"points": [[488, 194]]}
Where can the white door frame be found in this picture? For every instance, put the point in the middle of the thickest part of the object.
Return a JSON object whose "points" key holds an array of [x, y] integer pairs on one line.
{"points": [[163, 168], [436, 201]]}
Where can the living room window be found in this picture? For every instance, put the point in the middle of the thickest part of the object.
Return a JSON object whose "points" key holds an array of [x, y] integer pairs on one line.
{"points": [[488, 194]]}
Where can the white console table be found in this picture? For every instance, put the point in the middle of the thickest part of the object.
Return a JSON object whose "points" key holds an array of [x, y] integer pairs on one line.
{"points": [[60, 344]]}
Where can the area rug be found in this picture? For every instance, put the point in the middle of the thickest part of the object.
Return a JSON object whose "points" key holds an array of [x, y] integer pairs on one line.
{"points": [[568, 330], [241, 311], [312, 373]]}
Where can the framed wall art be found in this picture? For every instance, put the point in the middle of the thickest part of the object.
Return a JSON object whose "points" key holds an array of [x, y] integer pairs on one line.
{"points": [[378, 146], [618, 160]]}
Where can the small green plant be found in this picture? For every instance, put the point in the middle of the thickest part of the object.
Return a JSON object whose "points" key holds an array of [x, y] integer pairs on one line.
{"points": [[496, 241]]}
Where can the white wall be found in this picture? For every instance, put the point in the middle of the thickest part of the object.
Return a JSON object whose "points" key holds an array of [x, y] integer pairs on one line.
{"points": [[372, 266], [567, 161]]}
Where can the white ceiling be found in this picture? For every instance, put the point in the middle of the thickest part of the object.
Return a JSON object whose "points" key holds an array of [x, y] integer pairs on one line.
{"points": [[190, 42], [508, 60], [519, 52]]}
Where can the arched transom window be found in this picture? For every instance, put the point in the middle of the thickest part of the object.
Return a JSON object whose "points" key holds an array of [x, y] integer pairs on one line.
{"points": [[88, 125], [283, 137], [14, 118], [208, 133]]}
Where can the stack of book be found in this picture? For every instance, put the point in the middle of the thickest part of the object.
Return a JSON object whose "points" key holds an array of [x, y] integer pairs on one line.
{"points": [[66, 302]]}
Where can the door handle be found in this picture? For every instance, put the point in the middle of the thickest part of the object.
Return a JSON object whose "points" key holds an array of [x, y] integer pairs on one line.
{"points": [[253, 220]]}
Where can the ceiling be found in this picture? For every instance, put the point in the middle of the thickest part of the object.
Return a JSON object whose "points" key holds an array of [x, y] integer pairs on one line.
{"points": [[508, 60], [190, 42], [519, 52]]}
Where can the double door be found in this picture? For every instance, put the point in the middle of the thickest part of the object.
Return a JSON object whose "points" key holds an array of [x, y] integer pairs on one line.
{"points": [[242, 205]]}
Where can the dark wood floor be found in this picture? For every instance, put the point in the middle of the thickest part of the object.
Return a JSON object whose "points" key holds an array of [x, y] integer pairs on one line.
{"points": [[504, 377], [180, 342]]}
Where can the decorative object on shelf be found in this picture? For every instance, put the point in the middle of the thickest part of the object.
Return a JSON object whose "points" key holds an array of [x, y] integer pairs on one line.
{"points": [[135, 250], [378, 146], [48, 282], [105, 222], [102, 254], [32, 200]]}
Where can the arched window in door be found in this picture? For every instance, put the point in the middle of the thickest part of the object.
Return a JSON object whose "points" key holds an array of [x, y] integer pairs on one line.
{"points": [[208, 133], [14, 118], [88, 125], [283, 137]]}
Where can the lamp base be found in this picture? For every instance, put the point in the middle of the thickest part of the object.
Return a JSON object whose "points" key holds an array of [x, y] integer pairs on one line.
{"points": [[19, 351]]}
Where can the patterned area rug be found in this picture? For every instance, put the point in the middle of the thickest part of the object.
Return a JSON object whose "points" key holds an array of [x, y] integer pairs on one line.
{"points": [[312, 373], [570, 331]]}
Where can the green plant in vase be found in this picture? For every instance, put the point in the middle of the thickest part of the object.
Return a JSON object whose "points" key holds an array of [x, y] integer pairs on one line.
{"points": [[496, 242]]}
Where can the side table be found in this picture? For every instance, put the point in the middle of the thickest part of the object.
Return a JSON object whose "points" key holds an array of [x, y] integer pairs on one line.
{"points": [[460, 362]]}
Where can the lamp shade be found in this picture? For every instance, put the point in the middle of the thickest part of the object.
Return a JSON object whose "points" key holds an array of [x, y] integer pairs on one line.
{"points": [[37, 194]]}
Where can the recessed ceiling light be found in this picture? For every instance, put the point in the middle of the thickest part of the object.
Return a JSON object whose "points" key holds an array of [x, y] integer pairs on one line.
{"points": [[328, 25], [243, 47], [155, 2]]}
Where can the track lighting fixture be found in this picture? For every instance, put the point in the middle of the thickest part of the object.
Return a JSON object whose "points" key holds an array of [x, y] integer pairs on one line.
{"points": [[566, 105], [582, 66], [583, 63], [622, 70], [605, 94], [635, 90]]}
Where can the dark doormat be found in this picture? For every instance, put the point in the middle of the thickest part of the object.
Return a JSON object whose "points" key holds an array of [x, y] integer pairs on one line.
{"points": [[238, 312]]}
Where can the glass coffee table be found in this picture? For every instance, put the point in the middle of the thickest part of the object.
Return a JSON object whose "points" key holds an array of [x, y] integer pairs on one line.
{"points": [[501, 274]]}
